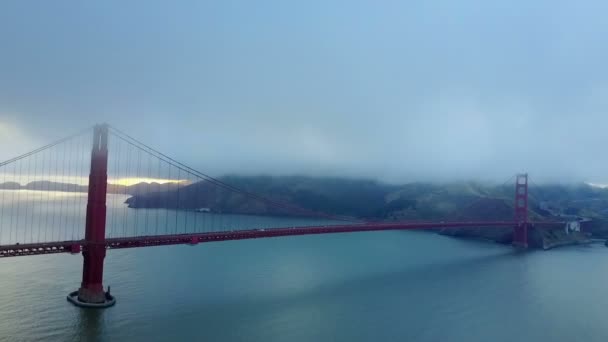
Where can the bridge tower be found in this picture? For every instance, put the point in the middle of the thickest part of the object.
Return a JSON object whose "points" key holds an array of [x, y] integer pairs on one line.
{"points": [[520, 232], [91, 292]]}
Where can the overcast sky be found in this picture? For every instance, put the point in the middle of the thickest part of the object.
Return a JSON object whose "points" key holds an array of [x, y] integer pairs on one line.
{"points": [[394, 90]]}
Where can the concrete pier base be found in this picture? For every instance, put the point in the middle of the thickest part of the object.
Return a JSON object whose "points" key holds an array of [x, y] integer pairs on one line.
{"points": [[108, 301]]}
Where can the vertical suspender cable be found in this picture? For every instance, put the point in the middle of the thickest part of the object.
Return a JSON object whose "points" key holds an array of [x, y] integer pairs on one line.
{"points": [[78, 198], [26, 195], [47, 173], [158, 189], [3, 190], [78, 207], [125, 208], [179, 176], [37, 194], [54, 199], [148, 193], [13, 207], [70, 192], [186, 211], [19, 201], [111, 211], [58, 189], [116, 143], [196, 199], [139, 191], [166, 230]]}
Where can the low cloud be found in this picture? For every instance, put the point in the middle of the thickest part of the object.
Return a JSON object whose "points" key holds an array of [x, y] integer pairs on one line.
{"points": [[398, 92]]}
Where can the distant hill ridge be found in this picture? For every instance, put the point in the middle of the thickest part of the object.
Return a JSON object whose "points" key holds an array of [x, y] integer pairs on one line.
{"points": [[372, 200], [369, 199], [135, 189]]}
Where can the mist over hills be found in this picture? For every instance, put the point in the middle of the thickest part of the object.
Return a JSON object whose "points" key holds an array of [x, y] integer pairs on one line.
{"points": [[376, 201], [369, 199]]}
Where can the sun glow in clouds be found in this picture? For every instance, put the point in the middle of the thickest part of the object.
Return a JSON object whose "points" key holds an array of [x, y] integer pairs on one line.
{"points": [[597, 185], [132, 181], [13, 140]]}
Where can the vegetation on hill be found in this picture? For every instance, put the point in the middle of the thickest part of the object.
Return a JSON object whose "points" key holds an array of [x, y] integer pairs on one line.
{"points": [[368, 199]]}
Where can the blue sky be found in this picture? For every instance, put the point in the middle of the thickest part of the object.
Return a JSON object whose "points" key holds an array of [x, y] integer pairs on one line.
{"points": [[394, 90]]}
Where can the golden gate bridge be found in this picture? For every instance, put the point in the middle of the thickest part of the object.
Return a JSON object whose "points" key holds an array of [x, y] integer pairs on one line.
{"points": [[68, 197]]}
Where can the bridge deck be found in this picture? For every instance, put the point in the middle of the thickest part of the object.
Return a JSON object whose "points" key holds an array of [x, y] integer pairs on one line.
{"points": [[75, 246]]}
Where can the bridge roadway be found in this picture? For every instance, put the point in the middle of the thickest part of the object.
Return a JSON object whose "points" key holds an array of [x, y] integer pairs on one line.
{"points": [[76, 246]]}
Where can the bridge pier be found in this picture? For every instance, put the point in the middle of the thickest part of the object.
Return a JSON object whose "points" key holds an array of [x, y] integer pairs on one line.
{"points": [[520, 232], [520, 236], [91, 292]]}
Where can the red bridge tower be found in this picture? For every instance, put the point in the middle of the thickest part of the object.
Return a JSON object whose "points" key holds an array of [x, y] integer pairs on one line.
{"points": [[91, 292], [520, 232]]}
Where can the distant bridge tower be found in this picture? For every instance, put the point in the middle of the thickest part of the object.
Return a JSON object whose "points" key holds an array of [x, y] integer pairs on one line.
{"points": [[91, 292], [520, 232]]}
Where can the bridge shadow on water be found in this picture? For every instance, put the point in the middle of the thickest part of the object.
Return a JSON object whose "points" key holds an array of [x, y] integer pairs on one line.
{"points": [[406, 301], [411, 284], [411, 277]]}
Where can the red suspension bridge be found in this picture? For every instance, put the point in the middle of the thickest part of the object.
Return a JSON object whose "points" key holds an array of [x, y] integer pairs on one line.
{"points": [[47, 197]]}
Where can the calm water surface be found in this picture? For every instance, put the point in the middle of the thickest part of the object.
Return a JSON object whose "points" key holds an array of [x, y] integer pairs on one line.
{"points": [[385, 286]]}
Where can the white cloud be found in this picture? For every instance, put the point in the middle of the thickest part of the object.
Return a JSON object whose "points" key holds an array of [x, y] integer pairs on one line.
{"points": [[14, 141]]}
